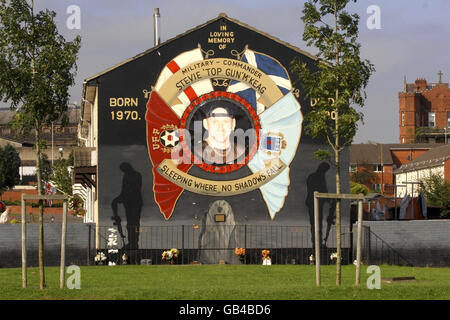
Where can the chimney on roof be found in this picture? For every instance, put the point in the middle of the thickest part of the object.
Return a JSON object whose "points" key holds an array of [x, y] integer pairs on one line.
{"points": [[156, 16], [420, 84]]}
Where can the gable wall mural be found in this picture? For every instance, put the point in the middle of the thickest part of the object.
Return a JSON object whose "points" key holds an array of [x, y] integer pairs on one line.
{"points": [[207, 129]]}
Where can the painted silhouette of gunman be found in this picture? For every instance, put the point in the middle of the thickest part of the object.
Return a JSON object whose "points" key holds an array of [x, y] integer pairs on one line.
{"points": [[130, 197]]}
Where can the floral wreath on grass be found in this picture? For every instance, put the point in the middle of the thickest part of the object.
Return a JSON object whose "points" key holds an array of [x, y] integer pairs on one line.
{"points": [[170, 255]]}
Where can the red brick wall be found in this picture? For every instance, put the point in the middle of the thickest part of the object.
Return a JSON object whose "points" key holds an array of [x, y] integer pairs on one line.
{"points": [[400, 157], [388, 178], [439, 99], [447, 170], [408, 102], [436, 100], [14, 195]]}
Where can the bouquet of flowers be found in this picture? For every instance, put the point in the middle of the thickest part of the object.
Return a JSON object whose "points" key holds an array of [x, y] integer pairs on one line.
{"points": [[170, 255], [99, 258], [266, 258], [240, 252], [333, 257], [265, 254], [76, 206]]}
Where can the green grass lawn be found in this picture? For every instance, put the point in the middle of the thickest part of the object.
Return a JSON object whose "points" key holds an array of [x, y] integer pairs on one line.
{"points": [[226, 282]]}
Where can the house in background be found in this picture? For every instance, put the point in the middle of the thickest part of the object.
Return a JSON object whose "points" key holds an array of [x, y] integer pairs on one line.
{"points": [[383, 160], [435, 161], [424, 112]]}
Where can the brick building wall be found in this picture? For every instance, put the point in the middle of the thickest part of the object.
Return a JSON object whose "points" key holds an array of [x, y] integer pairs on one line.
{"points": [[409, 103], [416, 102], [447, 170], [16, 195], [402, 156], [394, 156]]}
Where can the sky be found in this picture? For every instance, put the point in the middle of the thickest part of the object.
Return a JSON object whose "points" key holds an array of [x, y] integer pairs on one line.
{"points": [[413, 40]]}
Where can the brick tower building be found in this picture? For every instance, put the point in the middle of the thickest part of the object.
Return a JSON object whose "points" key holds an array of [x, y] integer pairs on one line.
{"points": [[424, 112]]}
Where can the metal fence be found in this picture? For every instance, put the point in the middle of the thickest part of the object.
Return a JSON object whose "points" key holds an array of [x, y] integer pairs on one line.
{"points": [[216, 243]]}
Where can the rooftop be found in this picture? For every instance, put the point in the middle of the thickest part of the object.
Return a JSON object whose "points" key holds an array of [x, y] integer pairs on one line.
{"points": [[369, 153], [433, 158], [421, 84]]}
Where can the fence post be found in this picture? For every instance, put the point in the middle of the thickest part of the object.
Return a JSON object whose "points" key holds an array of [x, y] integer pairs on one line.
{"points": [[367, 234], [182, 244], [316, 237], [63, 246], [245, 237], [358, 244], [24, 244]]}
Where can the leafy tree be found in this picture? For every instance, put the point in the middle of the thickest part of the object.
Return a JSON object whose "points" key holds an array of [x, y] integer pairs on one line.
{"points": [[37, 67], [358, 188], [437, 191], [364, 175], [61, 175], [9, 167], [337, 84]]}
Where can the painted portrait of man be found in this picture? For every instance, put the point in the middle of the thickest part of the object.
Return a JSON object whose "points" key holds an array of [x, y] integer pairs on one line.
{"points": [[219, 146]]}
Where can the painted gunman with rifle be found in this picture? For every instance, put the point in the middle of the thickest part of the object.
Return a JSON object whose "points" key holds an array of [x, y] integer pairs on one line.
{"points": [[131, 199]]}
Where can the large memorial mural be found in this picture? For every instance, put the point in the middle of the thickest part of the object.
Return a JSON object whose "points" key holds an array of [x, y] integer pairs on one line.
{"points": [[254, 122], [207, 129]]}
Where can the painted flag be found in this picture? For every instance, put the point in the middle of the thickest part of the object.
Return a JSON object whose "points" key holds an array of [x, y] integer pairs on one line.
{"points": [[271, 143], [190, 93], [269, 66], [281, 122], [161, 119]]}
